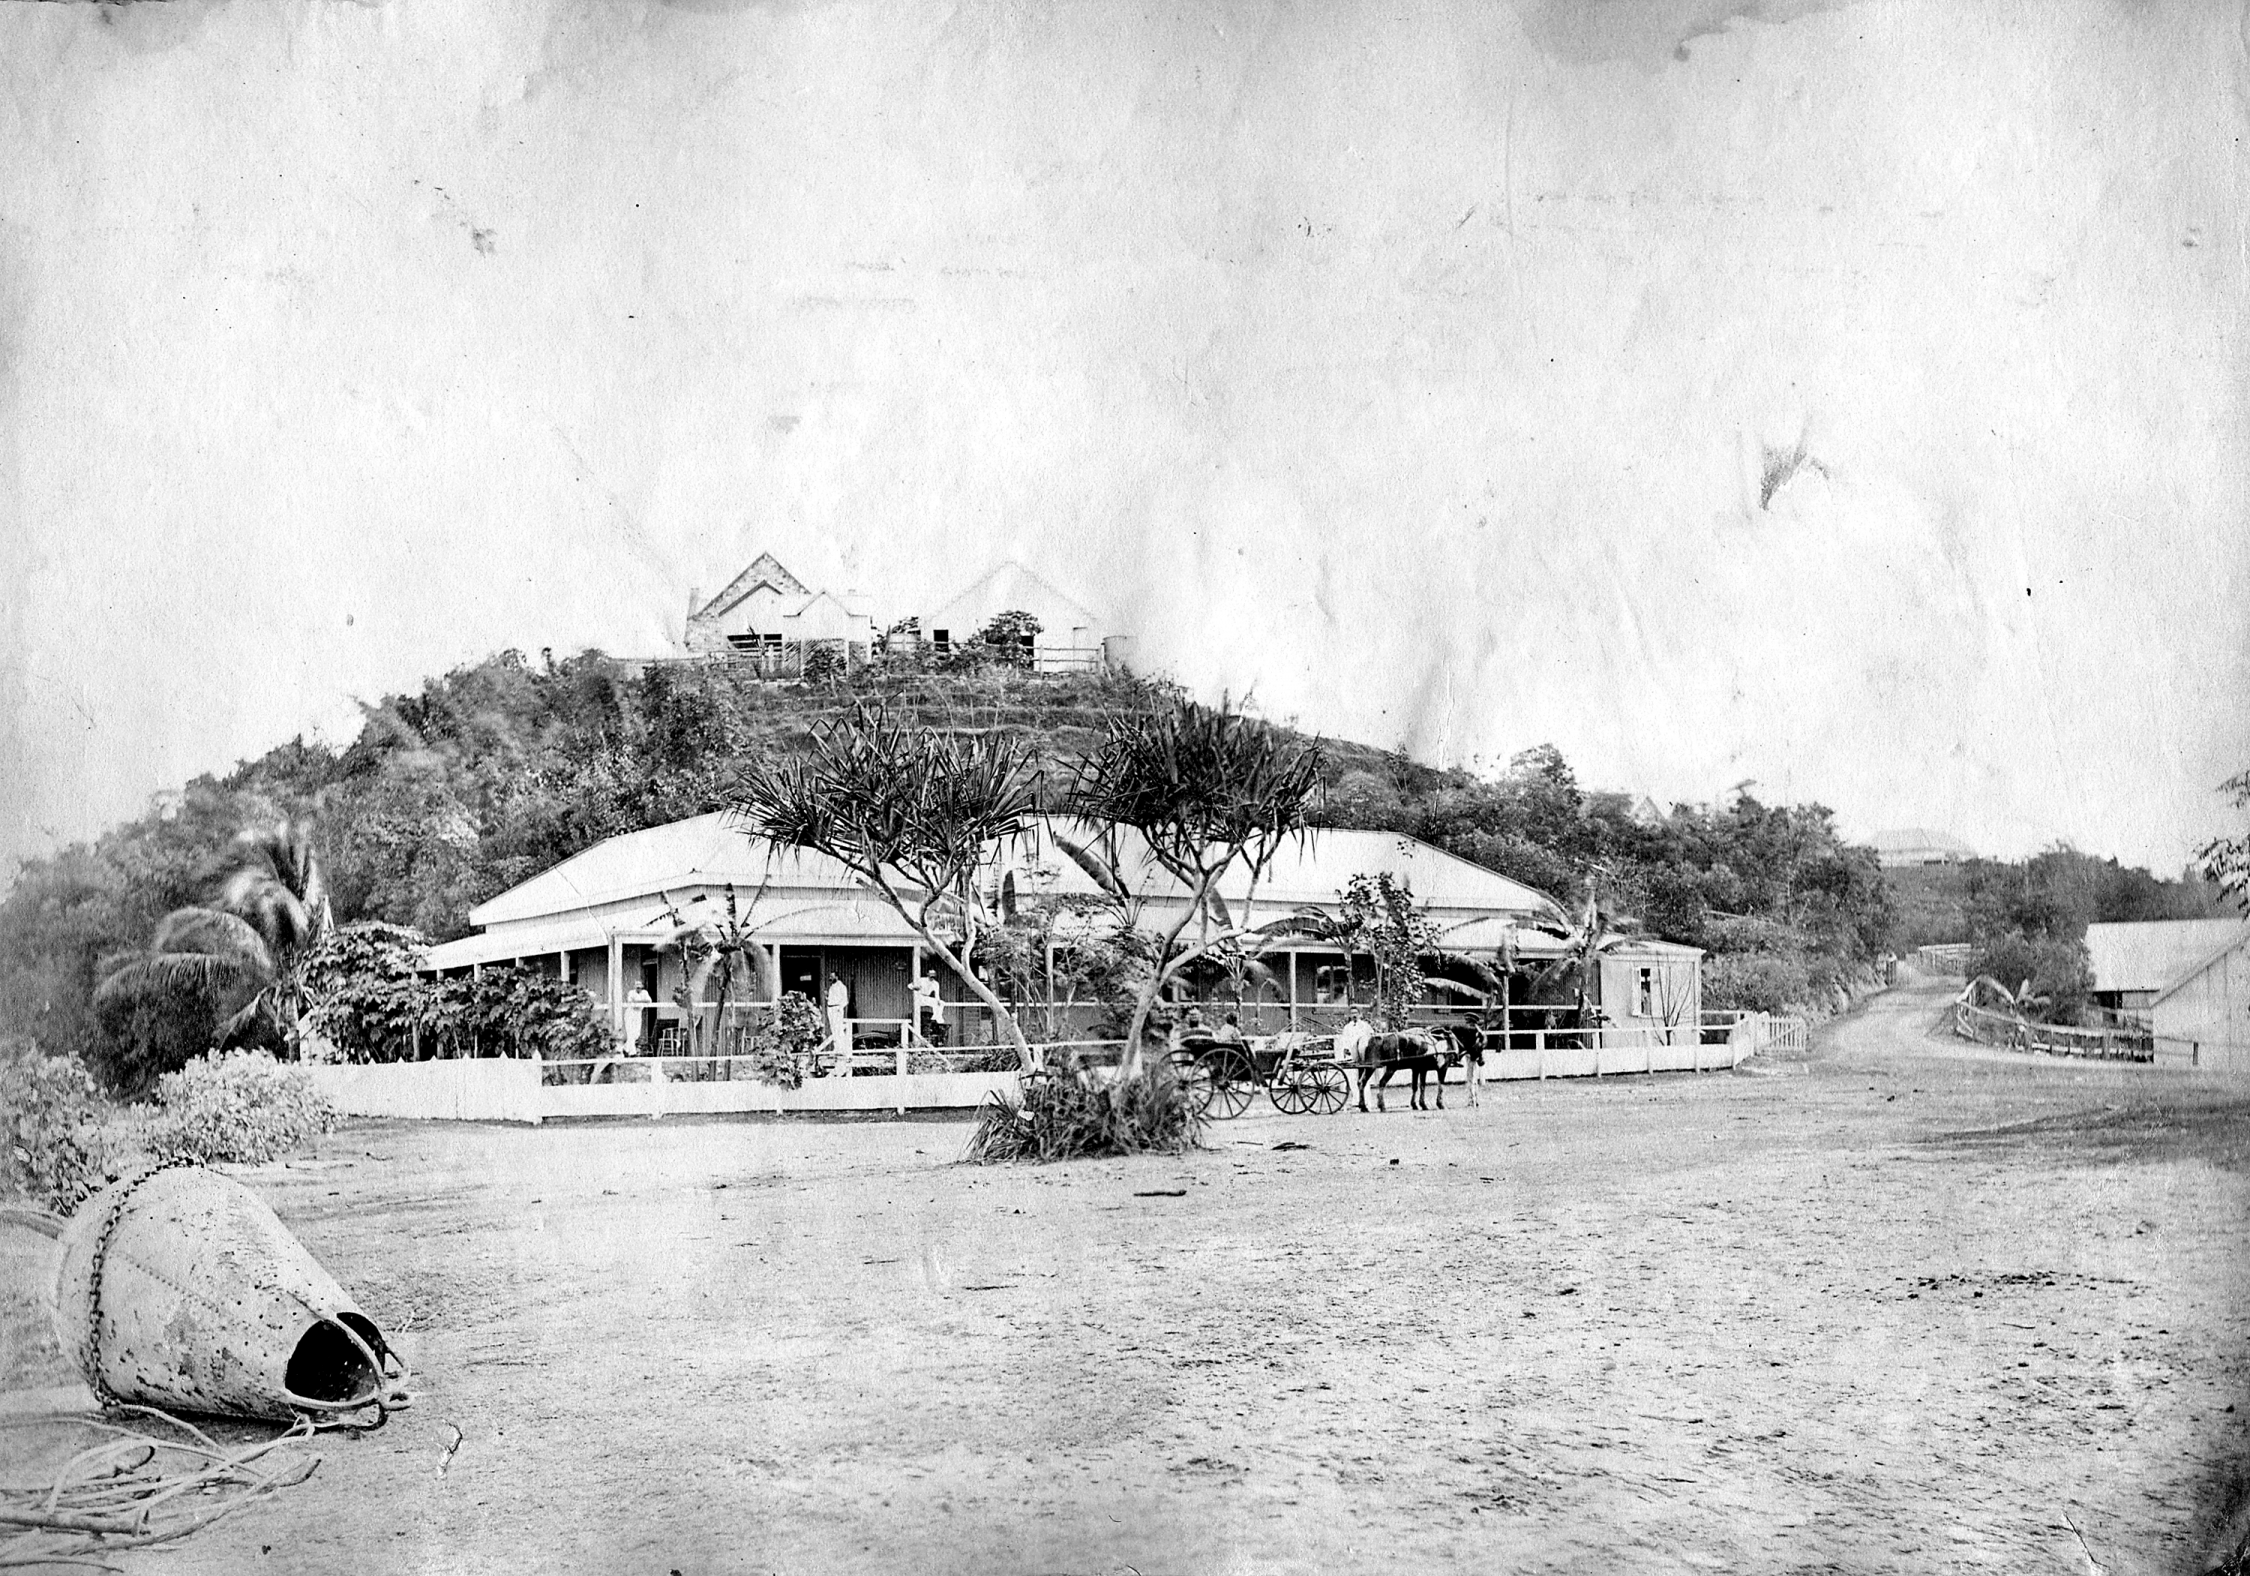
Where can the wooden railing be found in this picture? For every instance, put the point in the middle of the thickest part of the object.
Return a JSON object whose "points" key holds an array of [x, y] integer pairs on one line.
{"points": [[1987, 1027]]}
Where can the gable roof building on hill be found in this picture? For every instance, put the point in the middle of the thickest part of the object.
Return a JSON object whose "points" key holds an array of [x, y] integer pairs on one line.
{"points": [[1918, 845], [766, 612]]}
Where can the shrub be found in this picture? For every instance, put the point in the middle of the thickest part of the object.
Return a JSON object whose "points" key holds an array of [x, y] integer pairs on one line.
{"points": [[797, 1023], [2054, 967], [235, 1105], [520, 1010], [773, 1060], [1757, 982], [1009, 638], [57, 1150], [777, 1052], [1066, 1116], [369, 999]]}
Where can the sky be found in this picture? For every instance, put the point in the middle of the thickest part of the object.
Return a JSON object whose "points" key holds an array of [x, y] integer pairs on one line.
{"points": [[1413, 375]]}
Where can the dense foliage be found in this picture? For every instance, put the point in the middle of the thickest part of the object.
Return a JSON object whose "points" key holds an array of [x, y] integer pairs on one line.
{"points": [[369, 1003], [2027, 919], [1094, 955], [492, 773], [1790, 913], [227, 973], [516, 1009]]}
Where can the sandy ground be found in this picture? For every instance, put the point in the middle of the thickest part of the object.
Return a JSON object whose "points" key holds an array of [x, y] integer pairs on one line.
{"points": [[1892, 1306]]}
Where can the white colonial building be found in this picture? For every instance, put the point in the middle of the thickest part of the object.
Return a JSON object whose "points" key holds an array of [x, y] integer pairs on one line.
{"points": [[622, 920]]}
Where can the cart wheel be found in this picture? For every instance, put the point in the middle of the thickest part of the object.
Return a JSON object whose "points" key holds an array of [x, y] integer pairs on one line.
{"points": [[1291, 1096], [1327, 1089], [1194, 1075], [1234, 1080]]}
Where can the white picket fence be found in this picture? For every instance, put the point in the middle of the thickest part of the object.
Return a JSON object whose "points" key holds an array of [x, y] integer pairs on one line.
{"points": [[512, 1089]]}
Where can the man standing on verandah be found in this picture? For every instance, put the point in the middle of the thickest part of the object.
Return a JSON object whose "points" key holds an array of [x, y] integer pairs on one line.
{"points": [[840, 1026], [929, 1008]]}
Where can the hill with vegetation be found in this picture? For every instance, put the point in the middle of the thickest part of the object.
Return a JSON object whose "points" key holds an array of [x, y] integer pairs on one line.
{"points": [[496, 771]]}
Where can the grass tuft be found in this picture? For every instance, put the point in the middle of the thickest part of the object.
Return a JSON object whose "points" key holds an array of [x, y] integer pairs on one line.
{"points": [[1063, 1115]]}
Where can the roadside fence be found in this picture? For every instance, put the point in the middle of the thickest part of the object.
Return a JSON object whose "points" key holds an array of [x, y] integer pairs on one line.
{"points": [[1987, 1027]]}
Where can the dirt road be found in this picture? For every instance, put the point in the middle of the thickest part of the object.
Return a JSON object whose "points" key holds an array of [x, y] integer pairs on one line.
{"points": [[1892, 1306]]}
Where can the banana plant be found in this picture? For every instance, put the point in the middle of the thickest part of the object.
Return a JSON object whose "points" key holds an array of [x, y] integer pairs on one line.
{"points": [[1583, 942], [721, 948]]}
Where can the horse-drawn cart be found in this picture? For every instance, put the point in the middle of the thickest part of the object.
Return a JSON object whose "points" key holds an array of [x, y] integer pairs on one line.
{"points": [[1223, 1076]]}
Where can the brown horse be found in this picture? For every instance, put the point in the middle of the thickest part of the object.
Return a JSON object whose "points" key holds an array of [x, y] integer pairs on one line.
{"points": [[1470, 1038], [1419, 1052]]}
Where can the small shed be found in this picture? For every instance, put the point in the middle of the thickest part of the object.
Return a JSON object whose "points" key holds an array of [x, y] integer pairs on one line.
{"points": [[1651, 984], [2202, 1019], [2133, 963]]}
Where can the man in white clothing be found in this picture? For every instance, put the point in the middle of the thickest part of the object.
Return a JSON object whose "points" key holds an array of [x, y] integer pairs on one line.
{"points": [[928, 1006], [840, 1025]]}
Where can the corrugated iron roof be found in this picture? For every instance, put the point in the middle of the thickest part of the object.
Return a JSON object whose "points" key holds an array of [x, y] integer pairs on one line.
{"points": [[1311, 869], [709, 851], [2153, 954], [702, 850]]}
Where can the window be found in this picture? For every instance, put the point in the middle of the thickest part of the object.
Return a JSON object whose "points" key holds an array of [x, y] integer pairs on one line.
{"points": [[1644, 994], [1332, 985], [941, 641]]}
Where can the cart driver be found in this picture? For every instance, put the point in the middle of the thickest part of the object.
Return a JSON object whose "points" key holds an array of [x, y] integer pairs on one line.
{"points": [[1194, 1034]]}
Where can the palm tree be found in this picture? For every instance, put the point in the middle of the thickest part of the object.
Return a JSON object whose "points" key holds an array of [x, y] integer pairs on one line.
{"points": [[245, 955]]}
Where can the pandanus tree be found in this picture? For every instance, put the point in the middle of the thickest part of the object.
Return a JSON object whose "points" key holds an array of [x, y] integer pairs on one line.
{"points": [[913, 813], [243, 958], [1207, 794]]}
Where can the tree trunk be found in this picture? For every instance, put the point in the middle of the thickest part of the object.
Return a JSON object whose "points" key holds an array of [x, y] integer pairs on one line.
{"points": [[1131, 1065], [1130, 1068]]}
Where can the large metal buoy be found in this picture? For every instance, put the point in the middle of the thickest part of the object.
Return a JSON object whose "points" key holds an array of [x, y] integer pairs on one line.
{"points": [[178, 1288]]}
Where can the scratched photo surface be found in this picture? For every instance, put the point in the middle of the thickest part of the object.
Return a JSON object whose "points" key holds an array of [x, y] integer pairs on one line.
{"points": [[1783, 402]]}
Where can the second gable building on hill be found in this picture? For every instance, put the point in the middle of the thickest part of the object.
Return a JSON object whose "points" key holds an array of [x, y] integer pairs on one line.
{"points": [[1069, 638]]}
